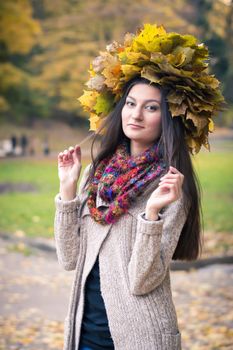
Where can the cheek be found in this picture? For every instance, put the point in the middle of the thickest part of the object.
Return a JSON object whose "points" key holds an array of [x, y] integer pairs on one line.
{"points": [[123, 118], [155, 125]]}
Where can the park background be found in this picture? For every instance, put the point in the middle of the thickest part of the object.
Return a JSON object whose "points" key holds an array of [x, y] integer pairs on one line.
{"points": [[45, 50]]}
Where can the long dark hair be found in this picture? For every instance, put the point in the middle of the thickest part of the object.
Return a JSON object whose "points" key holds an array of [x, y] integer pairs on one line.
{"points": [[175, 153]]}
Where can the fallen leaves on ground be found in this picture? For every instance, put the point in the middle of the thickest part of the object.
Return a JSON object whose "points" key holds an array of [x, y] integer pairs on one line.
{"points": [[30, 331], [217, 244], [35, 291], [204, 303]]}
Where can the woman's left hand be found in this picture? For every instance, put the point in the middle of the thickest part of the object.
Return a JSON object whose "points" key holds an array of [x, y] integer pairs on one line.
{"points": [[168, 191]]}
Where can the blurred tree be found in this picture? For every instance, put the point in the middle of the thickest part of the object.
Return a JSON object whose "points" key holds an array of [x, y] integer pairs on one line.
{"points": [[215, 22], [45, 50], [19, 33], [214, 19], [74, 33], [229, 53]]}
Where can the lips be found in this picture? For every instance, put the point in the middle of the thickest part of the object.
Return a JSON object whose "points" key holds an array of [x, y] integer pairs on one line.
{"points": [[136, 126]]}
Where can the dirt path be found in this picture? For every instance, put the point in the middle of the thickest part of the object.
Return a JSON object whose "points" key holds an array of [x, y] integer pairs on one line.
{"points": [[35, 290]]}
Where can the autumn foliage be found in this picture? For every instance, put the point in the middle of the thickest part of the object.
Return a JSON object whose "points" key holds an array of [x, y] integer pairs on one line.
{"points": [[46, 49]]}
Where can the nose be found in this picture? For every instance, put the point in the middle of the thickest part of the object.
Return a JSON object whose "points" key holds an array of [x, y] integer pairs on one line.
{"points": [[137, 113]]}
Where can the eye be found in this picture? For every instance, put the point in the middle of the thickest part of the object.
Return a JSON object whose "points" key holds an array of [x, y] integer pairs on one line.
{"points": [[130, 103], [152, 108]]}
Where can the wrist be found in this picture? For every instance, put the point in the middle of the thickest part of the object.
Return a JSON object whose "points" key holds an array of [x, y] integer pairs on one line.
{"points": [[68, 193], [151, 214]]}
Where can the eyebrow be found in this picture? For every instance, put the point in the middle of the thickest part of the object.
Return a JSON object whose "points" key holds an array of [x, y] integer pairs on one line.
{"points": [[150, 100]]}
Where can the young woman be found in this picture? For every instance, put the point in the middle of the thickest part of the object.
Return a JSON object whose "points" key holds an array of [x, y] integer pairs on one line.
{"points": [[137, 208], [143, 210]]}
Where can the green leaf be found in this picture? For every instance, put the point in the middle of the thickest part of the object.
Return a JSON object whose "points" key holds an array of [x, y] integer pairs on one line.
{"points": [[104, 103]]}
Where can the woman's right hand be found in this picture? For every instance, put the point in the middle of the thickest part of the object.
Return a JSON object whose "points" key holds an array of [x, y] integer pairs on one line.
{"points": [[69, 169]]}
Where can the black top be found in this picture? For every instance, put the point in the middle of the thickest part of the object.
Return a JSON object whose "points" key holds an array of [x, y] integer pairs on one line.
{"points": [[95, 331]]}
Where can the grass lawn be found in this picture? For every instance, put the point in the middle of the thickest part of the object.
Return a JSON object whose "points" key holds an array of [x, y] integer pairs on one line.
{"points": [[32, 213], [215, 171], [29, 213]]}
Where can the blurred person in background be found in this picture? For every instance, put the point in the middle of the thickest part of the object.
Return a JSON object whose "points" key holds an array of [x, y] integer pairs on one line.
{"points": [[24, 144]]}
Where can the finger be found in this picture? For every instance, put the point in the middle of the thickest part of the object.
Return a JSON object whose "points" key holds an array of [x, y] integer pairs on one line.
{"points": [[170, 176], [71, 149], [70, 153], [60, 155], [64, 157], [77, 148], [171, 181], [173, 177], [177, 174], [170, 184], [171, 188], [173, 170], [77, 153], [67, 155]]}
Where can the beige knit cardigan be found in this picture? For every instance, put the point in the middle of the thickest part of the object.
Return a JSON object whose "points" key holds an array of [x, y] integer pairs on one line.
{"points": [[134, 258]]}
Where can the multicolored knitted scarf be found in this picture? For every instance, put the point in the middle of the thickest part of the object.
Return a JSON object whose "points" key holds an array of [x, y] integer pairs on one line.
{"points": [[122, 178]]}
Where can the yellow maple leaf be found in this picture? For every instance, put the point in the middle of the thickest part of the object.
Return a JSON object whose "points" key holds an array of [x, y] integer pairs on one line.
{"points": [[210, 80], [88, 99], [176, 97], [112, 74], [193, 144], [181, 56], [130, 71], [199, 121], [150, 73], [129, 57], [177, 109], [149, 38], [95, 122], [211, 125]]}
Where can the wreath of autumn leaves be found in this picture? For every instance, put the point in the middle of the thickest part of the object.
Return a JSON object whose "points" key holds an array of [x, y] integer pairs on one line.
{"points": [[177, 62]]}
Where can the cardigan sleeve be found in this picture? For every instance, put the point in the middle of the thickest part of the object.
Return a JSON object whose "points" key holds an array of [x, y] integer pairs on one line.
{"points": [[66, 227], [154, 247]]}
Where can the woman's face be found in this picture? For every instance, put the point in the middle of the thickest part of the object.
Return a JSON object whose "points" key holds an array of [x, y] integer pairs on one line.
{"points": [[141, 115]]}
